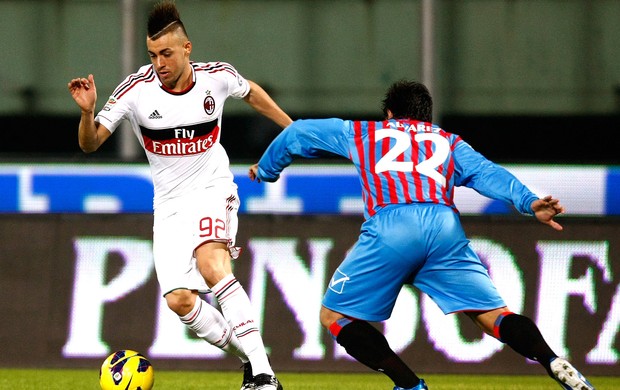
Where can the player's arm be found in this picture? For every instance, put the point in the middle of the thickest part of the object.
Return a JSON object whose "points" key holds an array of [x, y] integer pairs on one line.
{"points": [[264, 104], [91, 135], [310, 138], [490, 179], [496, 182]]}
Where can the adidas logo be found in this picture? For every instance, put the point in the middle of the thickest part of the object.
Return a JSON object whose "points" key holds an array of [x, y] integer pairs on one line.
{"points": [[155, 115]]}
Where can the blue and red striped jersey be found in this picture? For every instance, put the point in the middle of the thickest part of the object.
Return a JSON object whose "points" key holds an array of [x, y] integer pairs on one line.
{"points": [[398, 161]]}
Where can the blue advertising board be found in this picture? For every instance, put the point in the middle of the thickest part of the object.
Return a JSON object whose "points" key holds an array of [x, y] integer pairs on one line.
{"points": [[302, 189]]}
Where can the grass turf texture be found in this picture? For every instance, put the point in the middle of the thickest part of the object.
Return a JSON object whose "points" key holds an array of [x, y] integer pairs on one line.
{"points": [[26, 379]]}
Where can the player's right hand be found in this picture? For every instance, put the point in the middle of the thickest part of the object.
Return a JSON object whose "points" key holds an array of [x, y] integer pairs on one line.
{"points": [[253, 173], [84, 92]]}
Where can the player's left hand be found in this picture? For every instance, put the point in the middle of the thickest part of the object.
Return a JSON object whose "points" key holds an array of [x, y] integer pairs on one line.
{"points": [[547, 208], [253, 173]]}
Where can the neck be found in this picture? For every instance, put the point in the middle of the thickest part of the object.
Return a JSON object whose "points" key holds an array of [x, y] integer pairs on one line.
{"points": [[183, 82]]}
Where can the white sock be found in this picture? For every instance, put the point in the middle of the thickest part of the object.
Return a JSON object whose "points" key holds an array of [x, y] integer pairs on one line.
{"points": [[209, 324], [237, 310]]}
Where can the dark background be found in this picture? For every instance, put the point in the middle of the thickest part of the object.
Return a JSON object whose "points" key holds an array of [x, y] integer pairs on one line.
{"points": [[515, 139]]}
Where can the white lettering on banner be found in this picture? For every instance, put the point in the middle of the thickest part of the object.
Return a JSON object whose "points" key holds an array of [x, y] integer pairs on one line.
{"points": [[90, 292], [102, 204], [303, 282], [29, 201], [173, 339], [444, 330], [302, 288], [351, 205], [402, 326], [556, 285], [604, 351]]}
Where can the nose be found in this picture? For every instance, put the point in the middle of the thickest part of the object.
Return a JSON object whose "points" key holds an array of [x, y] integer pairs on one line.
{"points": [[160, 61]]}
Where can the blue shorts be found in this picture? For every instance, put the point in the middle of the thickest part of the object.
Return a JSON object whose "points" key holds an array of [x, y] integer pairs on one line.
{"points": [[419, 244]]}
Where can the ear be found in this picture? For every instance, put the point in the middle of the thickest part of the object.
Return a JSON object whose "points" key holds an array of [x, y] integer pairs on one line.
{"points": [[187, 47], [389, 114]]}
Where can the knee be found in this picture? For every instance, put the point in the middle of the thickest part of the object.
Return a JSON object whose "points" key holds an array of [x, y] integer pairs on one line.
{"points": [[181, 301], [488, 321]]}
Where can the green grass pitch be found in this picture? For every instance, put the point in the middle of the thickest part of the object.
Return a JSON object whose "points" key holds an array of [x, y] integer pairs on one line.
{"points": [[62, 379]]}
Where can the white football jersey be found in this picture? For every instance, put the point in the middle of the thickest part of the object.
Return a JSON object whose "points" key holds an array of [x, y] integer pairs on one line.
{"points": [[179, 131]]}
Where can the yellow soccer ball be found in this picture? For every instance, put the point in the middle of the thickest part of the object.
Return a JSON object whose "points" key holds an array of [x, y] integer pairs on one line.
{"points": [[127, 370]]}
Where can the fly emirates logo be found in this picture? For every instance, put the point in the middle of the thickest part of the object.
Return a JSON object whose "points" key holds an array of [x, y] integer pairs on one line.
{"points": [[181, 141]]}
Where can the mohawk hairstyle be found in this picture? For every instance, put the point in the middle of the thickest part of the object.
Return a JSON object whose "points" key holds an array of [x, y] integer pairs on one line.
{"points": [[164, 17]]}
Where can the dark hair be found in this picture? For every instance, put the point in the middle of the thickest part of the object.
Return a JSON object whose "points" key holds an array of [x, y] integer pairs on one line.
{"points": [[409, 100], [164, 17]]}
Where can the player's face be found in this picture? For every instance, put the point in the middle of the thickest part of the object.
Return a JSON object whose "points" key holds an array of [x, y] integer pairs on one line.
{"points": [[170, 57]]}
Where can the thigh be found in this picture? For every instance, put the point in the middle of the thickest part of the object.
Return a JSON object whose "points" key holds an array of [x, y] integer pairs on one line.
{"points": [[453, 275], [173, 254], [185, 224], [368, 281], [465, 289]]}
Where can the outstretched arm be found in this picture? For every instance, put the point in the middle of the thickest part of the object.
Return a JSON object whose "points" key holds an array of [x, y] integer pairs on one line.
{"points": [[545, 209], [90, 134], [264, 104], [305, 138]]}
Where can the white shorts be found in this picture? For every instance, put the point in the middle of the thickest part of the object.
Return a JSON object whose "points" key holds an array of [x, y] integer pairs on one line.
{"points": [[183, 224]]}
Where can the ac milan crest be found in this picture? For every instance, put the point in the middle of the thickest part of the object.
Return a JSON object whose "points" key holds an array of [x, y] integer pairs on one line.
{"points": [[209, 105]]}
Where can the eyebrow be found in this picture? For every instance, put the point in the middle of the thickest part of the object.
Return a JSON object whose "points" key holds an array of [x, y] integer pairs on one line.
{"points": [[161, 51]]}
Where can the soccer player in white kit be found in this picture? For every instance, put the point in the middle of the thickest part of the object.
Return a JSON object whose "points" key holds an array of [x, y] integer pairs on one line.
{"points": [[175, 109]]}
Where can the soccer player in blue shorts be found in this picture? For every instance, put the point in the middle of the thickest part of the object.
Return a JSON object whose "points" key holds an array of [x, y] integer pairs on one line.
{"points": [[408, 169]]}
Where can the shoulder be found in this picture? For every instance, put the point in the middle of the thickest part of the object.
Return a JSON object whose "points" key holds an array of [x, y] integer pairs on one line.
{"points": [[144, 75], [145, 72], [214, 68], [454, 139]]}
